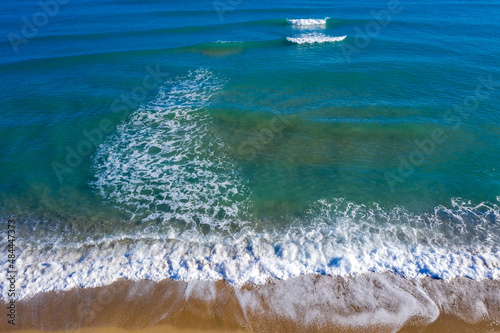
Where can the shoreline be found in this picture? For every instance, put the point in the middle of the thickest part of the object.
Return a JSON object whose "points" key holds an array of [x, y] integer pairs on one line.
{"points": [[372, 302]]}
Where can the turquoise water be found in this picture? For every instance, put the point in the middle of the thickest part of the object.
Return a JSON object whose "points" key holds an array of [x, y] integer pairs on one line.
{"points": [[144, 139]]}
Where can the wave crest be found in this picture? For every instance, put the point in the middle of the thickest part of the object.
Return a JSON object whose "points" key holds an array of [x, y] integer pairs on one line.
{"points": [[314, 38], [307, 22]]}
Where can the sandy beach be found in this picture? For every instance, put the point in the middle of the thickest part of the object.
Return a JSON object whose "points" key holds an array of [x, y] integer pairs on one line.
{"points": [[367, 303]]}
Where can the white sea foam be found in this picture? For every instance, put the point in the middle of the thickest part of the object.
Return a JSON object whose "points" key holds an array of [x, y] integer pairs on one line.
{"points": [[308, 22], [342, 239], [314, 38], [161, 164]]}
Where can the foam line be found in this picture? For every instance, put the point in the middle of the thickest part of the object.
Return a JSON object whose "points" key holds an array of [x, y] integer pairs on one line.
{"points": [[341, 239]]}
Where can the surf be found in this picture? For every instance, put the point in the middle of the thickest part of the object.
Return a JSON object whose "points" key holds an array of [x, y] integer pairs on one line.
{"points": [[315, 38]]}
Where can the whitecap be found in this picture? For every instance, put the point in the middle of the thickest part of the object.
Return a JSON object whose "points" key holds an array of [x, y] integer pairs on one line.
{"points": [[307, 22], [312, 38]]}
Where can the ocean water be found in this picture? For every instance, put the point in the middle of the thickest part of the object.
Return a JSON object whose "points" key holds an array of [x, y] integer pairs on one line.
{"points": [[249, 140]]}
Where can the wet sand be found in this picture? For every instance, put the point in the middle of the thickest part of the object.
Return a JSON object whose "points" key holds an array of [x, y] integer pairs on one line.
{"points": [[367, 303]]}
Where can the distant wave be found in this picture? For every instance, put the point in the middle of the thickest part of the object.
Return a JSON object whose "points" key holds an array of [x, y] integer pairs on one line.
{"points": [[298, 23], [307, 22], [216, 48], [229, 47], [314, 38]]}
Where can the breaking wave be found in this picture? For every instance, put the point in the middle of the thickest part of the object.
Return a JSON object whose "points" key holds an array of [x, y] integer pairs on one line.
{"points": [[307, 22], [312, 38]]}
